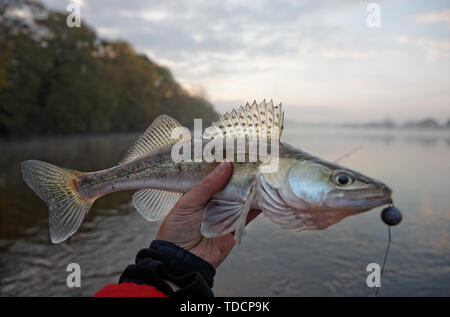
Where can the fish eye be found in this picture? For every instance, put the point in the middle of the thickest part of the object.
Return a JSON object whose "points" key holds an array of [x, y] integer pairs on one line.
{"points": [[342, 178]]}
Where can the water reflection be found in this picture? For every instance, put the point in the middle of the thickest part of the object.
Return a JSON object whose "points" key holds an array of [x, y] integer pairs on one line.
{"points": [[271, 261]]}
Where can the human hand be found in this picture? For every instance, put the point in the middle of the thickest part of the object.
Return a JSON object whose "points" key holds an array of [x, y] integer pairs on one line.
{"points": [[182, 225]]}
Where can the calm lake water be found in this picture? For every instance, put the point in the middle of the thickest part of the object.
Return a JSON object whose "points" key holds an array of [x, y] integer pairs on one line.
{"points": [[270, 261]]}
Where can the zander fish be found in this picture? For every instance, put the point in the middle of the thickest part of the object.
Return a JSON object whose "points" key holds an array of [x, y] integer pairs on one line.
{"points": [[303, 193]]}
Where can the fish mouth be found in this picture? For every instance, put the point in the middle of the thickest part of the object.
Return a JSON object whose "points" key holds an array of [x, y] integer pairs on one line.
{"points": [[362, 200], [375, 195], [377, 198], [369, 203], [380, 201]]}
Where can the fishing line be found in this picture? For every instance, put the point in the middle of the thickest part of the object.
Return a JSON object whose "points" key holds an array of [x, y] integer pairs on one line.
{"points": [[347, 154], [384, 261]]}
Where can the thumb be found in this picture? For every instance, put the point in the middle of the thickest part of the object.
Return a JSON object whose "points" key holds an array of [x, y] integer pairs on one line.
{"points": [[201, 193]]}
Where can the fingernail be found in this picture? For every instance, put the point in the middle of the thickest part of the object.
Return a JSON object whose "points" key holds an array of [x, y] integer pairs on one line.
{"points": [[222, 166]]}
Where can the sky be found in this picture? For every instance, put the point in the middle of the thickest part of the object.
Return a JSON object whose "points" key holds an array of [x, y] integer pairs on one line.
{"points": [[320, 58]]}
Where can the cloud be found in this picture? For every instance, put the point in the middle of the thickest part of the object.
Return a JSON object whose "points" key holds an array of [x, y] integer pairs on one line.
{"points": [[434, 49], [302, 52], [200, 39], [173, 28], [434, 17]]}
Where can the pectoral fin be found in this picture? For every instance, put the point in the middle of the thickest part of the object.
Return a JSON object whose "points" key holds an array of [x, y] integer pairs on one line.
{"points": [[222, 217], [243, 217]]}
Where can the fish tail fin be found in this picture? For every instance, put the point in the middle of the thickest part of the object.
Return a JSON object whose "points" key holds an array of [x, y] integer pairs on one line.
{"points": [[57, 187]]}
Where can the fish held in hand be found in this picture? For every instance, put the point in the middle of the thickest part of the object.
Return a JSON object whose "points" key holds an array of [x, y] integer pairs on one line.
{"points": [[304, 192]]}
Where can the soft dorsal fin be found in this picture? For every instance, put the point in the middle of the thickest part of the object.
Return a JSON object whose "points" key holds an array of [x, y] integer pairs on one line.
{"points": [[159, 134], [251, 120]]}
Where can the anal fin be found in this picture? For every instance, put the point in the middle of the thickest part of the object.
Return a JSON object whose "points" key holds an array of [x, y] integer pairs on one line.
{"points": [[154, 204]]}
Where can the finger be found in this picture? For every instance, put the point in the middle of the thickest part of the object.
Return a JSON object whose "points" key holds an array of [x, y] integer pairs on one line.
{"points": [[252, 214], [201, 193]]}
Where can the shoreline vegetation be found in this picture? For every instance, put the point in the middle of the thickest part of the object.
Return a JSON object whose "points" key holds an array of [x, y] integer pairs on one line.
{"points": [[56, 80], [428, 124], [423, 124]]}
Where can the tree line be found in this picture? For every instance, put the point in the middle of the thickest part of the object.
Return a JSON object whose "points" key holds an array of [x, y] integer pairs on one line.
{"points": [[58, 80]]}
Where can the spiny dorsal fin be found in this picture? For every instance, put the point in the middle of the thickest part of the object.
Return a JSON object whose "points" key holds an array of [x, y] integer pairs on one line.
{"points": [[251, 120], [159, 134]]}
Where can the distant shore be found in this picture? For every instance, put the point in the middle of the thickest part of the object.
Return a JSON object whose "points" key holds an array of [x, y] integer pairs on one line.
{"points": [[425, 124]]}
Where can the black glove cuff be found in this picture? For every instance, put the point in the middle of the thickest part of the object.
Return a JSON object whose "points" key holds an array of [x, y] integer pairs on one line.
{"points": [[164, 260]]}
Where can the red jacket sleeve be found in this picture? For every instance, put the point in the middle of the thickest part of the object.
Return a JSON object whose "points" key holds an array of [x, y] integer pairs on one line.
{"points": [[158, 266], [129, 290]]}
